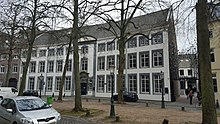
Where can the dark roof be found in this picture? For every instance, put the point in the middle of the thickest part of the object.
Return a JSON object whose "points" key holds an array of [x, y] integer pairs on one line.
{"points": [[142, 24]]}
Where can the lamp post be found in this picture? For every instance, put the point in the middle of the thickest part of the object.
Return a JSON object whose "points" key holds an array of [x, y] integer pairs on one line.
{"points": [[112, 111], [41, 83], [162, 83]]}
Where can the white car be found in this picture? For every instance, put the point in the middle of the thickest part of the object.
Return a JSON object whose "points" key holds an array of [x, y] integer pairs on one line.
{"points": [[27, 110], [7, 92]]}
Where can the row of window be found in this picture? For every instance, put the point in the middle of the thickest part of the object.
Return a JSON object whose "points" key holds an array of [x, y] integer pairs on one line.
{"points": [[49, 84], [14, 68], [59, 66], [144, 83], [189, 72], [144, 60], [50, 66], [52, 52], [132, 43]]}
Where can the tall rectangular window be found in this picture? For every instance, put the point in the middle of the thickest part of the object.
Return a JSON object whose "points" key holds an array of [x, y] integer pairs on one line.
{"points": [[110, 61], [15, 68], [31, 83], [50, 66], [59, 66], [2, 69], [181, 72], [212, 53], [157, 56], [132, 60], [132, 82], [157, 83], [144, 59], [32, 67], [69, 66], [157, 38], [68, 83], [84, 64], [143, 41], [34, 53], [215, 83], [190, 72], [58, 81], [109, 81], [101, 47], [132, 43], [101, 63], [145, 83], [100, 83], [49, 84], [51, 52], [110, 46], [42, 53], [85, 49], [59, 51], [41, 66]]}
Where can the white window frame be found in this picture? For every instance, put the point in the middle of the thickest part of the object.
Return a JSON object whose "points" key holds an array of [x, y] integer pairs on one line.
{"points": [[132, 60], [49, 84], [100, 83], [50, 66], [101, 63], [110, 61], [32, 67], [41, 66], [144, 83], [68, 83], [58, 81], [132, 82], [144, 59], [31, 83], [157, 58], [59, 66]]}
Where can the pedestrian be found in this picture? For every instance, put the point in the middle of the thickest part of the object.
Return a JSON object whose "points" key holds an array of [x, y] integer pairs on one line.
{"points": [[187, 92], [190, 96]]}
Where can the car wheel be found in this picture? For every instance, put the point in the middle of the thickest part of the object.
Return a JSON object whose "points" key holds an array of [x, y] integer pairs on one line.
{"points": [[1, 97], [15, 123]]}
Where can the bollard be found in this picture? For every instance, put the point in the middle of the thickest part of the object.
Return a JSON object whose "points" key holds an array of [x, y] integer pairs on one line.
{"points": [[147, 104], [99, 100], [183, 108], [117, 118], [165, 121], [87, 100]]}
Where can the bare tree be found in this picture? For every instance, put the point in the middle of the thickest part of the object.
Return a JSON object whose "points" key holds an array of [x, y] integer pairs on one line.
{"points": [[208, 99], [9, 21], [34, 13], [127, 10]]}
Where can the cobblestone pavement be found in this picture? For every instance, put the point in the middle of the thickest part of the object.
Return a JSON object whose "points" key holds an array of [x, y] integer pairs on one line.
{"points": [[73, 120]]}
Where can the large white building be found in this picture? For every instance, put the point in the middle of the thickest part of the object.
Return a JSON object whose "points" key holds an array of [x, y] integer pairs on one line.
{"points": [[146, 58]]}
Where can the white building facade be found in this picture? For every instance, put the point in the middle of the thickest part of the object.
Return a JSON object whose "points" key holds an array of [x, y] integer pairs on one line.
{"points": [[151, 51]]}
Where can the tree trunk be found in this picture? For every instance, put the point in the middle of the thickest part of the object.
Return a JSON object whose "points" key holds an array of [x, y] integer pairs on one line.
{"points": [[10, 56], [60, 97], [203, 44], [24, 72], [78, 101]]}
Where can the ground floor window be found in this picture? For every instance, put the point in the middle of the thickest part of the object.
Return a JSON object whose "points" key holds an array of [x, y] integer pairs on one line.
{"points": [[49, 83], [68, 84], [58, 81], [157, 83], [100, 83], [31, 83], [132, 80], [109, 81], [145, 83]]}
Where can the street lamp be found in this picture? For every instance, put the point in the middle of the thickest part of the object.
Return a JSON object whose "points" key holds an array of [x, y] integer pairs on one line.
{"points": [[41, 83], [162, 83], [112, 111]]}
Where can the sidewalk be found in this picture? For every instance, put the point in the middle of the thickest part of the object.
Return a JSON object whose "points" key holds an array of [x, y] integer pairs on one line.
{"points": [[136, 112]]}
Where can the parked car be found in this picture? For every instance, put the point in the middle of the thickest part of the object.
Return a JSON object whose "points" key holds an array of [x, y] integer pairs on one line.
{"points": [[27, 110], [30, 93], [128, 97], [6, 92]]}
